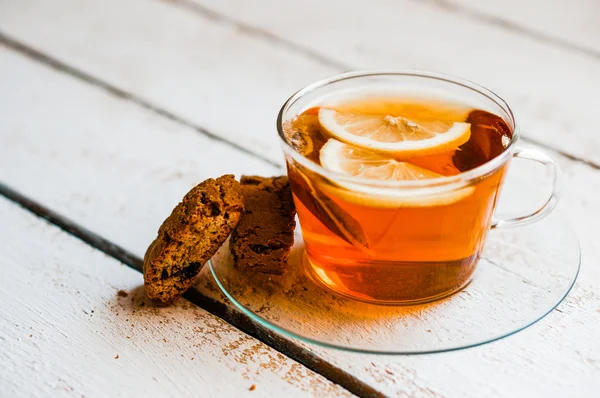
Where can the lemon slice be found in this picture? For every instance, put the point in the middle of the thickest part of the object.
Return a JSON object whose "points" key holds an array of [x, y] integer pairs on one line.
{"points": [[359, 162], [394, 135]]}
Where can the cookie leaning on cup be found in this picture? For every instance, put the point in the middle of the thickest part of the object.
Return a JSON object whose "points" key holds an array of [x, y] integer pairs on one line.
{"points": [[190, 236]]}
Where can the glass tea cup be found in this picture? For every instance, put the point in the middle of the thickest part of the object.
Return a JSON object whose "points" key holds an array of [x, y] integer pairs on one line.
{"points": [[400, 242]]}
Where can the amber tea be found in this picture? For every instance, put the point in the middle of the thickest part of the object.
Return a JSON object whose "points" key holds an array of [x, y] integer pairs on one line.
{"points": [[378, 242]]}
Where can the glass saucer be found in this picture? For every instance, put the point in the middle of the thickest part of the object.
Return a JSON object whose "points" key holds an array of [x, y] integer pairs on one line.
{"points": [[524, 273]]}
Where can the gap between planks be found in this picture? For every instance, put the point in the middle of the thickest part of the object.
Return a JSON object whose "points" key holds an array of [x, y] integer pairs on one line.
{"points": [[259, 33], [217, 308], [499, 22], [54, 63]]}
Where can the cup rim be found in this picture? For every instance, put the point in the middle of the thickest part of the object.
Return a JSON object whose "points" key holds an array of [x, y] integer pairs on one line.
{"points": [[458, 180]]}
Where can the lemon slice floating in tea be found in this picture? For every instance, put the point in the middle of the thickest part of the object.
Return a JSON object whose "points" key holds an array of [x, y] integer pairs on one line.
{"points": [[394, 135], [359, 162]]}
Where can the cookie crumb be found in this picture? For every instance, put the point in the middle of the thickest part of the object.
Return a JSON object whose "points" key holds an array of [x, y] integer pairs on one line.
{"points": [[252, 387], [122, 293]]}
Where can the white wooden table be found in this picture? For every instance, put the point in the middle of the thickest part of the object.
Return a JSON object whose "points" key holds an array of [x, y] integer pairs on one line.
{"points": [[111, 110]]}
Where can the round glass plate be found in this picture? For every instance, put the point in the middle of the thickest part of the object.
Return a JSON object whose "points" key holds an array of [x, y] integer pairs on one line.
{"points": [[524, 273]]}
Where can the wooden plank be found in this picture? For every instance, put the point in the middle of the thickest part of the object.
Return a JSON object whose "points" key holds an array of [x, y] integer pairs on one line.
{"points": [[167, 59], [75, 322], [119, 188], [549, 88], [571, 24]]}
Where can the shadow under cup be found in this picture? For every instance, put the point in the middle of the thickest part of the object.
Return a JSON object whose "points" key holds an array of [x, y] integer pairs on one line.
{"points": [[403, 254]]}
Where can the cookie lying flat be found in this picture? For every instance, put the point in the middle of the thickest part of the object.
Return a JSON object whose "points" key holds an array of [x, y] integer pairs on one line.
{"points": [[263, 239], [190, 236]]}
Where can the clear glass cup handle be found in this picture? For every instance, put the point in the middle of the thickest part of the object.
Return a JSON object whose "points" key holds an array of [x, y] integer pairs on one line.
{"points": [[537, 156]]}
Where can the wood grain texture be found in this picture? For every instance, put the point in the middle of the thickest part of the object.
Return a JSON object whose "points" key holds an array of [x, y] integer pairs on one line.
{"points": [[75, 322], [549, 88], [571, 24], [127, 182]]}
